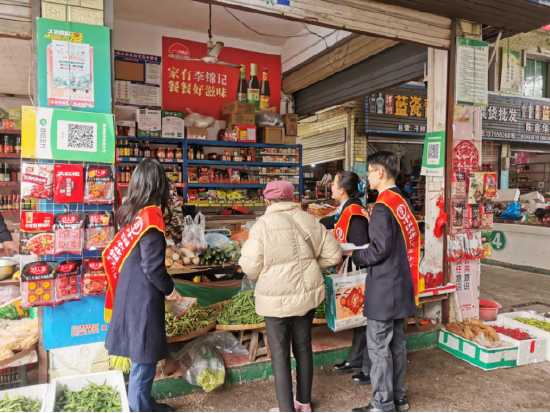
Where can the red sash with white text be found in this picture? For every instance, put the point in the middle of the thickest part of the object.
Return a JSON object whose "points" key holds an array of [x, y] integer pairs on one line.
{"points": [[122, 245], [342, 226], [411, 233]]}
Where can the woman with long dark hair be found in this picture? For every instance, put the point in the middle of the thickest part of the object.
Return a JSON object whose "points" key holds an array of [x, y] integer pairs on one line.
{"points": [[351, 225], [139, 283]]}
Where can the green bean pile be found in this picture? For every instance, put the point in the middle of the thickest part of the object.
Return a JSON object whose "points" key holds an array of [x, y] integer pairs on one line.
{"points": [[240, 310], [543, 325], [20, 404], [92, 398], [195, 319]]}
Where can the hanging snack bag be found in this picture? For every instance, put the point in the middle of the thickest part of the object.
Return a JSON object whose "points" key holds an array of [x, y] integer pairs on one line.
{"points": [[459, 208], [458, 185], [37, 284], [69, 233], [491, 185], [488, 212], [455, 247], [474, 219], [487, 247], [475, 246], [475, 188], [37, 237], [37, 181], [69, 183], [100, 230], [94, 278], [66, 281], [100, 184]]}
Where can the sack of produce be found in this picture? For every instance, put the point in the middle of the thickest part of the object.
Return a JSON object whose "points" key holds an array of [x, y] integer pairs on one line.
{"points": [[224, 342], [345, 298], [203, 366]]}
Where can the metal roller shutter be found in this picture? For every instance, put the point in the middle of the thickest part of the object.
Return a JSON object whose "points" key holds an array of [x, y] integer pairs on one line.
{"points": [[325, 147], [490, 156]]}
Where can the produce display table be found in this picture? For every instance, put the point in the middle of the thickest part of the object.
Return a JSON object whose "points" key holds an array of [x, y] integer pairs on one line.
{"points": [[251, 332], [210, 271]]}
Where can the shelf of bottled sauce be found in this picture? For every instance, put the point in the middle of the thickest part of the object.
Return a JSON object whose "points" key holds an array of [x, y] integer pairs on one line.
{"points": [[10, 173]]}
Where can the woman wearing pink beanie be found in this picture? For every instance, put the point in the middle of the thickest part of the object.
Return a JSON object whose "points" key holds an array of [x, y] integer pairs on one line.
{"points": [[285, 252]]}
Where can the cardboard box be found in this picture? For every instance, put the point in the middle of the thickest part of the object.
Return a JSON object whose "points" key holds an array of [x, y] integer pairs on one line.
{"points": [[476, 355], [149, 124], [240, 119], [172, 124], [245, 133], [238, 107], [290, 140], [197, 133], [271, 135], [126, 128], [291, 124]]}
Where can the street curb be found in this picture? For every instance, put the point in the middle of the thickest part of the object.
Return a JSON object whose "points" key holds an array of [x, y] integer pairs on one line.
{"points": [[525, 268], [175, 387]]}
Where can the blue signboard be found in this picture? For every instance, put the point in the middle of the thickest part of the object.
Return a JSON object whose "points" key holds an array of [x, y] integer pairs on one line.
{"points": [[74, 323]]}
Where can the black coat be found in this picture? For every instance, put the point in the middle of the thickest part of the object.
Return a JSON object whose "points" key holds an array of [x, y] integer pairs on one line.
{"points": [[358, 232], [389, 291], [137, 328], [4, 232]]}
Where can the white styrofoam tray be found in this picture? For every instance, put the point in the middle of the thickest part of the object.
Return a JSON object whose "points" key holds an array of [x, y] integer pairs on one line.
{"points": [[76, 383], [509, 317], [529, 351], [39, 391]]}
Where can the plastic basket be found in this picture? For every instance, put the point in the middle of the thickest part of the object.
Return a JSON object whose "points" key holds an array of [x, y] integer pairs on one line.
{"points": [[12, 377]]}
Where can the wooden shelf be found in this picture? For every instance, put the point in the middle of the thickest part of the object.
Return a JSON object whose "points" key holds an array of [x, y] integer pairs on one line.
{"points": [[9, 132]]}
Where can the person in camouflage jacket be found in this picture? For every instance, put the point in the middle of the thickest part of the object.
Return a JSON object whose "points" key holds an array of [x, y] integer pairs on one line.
{"points": [[174, 224]]}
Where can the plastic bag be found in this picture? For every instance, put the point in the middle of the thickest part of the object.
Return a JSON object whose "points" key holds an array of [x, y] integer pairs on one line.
{"points": [[482, 341], [203, 366], [193, 234], [268, 118], [248, 284], [512, 213], [224, 342]]}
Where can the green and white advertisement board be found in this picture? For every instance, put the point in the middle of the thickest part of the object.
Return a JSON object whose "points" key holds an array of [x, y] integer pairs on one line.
{"points": [[433, 160]]}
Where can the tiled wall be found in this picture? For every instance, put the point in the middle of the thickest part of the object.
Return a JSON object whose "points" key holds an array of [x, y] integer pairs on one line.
{"points": [[76, 11]]}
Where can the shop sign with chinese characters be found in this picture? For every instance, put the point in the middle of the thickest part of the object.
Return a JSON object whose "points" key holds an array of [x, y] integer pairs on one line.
{"points": [[465, 276], [400, 111], [189, 84], [514, 119]]}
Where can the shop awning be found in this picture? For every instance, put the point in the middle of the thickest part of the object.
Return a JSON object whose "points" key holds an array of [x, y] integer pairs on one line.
{"points": [[324, 147]]}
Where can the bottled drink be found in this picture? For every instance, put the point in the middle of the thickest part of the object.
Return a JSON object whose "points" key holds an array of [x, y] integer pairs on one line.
{"points": [[18, 174], [180, 174], [18, 144], [117, 151], [265, 92], [8, 146], [253, 92], [243, 87], [2, 172], [14, 174], [147, 150], [7, 172]]}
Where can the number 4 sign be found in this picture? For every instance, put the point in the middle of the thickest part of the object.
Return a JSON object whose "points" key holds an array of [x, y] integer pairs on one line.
{"points": [[498, 240]]}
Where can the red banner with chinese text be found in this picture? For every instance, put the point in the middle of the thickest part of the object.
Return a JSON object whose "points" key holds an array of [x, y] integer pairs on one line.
{"points": [[204, 88]]}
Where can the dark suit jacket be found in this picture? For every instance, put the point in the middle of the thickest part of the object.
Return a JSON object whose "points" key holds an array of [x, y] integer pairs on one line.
{"points": [[389, 291], [358, 232], [137, 327], [4, 232]]}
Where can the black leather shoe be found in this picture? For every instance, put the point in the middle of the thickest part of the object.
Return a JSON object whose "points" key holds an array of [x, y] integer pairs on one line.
{"points": [[361, 379], [402, 405], [346, 368], [162, 407], [369, 408]]}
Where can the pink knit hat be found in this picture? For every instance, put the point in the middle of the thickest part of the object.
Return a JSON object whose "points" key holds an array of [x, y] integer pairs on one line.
{"points": [[279, 190]]}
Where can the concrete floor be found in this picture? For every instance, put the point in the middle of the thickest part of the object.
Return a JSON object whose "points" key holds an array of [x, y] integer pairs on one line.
{"points": [[436, 381]]}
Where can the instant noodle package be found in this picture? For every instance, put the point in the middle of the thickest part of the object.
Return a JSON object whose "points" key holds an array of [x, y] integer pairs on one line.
{"points": [[37, 181], [100, 184], [69, 233], [37, 284], [94, 278], [37, 236], [67, 281], [69, 183]]}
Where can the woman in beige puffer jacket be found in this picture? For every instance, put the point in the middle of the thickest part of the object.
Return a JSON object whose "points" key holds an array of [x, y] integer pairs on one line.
{"points": [[289, 286]]}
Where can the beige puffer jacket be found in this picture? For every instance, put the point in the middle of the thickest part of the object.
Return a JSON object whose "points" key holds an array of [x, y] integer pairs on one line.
{"points": [[289, 276]]}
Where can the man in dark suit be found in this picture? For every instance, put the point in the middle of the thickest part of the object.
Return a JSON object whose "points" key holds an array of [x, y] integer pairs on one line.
{"points": [[389, 289]]}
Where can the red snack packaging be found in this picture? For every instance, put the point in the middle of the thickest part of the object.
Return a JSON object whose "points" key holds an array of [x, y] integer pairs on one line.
{"points": [[69, 233], [66, 282], [100, 184], [491, 185], [94, 278], [37, 181], [455, 247], [37, 237], [37, 284], [100, 230], [474, 218], [69, 183]]}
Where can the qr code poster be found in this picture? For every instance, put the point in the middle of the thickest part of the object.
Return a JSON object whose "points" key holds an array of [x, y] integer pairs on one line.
{"points": [[68, 135], [433, 161]]}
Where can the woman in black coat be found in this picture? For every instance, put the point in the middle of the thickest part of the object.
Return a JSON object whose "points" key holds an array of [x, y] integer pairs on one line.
{"points": [[347, 188], [137, 329]]}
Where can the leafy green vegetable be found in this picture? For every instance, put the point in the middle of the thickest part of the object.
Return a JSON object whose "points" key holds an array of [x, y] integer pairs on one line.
{"points": [[20, 404], [92, 398], [210, 379], [321, 311]]}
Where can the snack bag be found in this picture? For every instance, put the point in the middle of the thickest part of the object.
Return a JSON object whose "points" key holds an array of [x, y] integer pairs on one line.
{"points": [[488, 213], [100, 230], [37, 181], [66, 282], [458, 185], [474, 219], [459, 208], [487, 247], [475, 246], [37, 284], [100, 184], [475, 188], [94, 278], [37, 236], [455, 247], [69, 233], [491, 185], [69, 183]]}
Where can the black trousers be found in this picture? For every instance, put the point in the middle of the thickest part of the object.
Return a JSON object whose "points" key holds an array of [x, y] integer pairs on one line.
{"points": [[359, 352], [280, 333]]}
